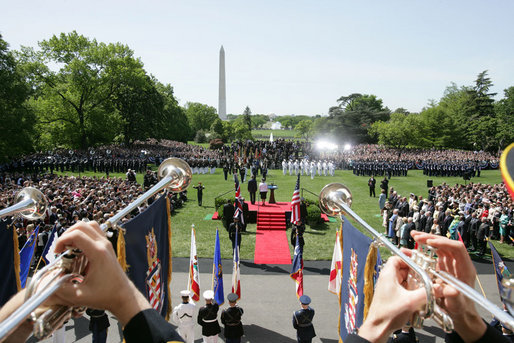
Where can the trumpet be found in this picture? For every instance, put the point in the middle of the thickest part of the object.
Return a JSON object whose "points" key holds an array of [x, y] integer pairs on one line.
{"points": [[174, 174], [30, 204], [336, 199]]}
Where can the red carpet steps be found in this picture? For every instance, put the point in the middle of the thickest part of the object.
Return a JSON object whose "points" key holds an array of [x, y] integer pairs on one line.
{"points": [[271, 242]]}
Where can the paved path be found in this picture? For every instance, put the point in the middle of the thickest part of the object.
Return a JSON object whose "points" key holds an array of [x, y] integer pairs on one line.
{"points": [[268, 298]]}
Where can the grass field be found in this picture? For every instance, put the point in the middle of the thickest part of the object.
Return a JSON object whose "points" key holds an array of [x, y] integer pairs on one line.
{"points": [[319, 240], [264, 134]]}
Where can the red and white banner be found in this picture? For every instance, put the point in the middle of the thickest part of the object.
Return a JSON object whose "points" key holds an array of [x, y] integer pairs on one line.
{"points": [[194, 273]]}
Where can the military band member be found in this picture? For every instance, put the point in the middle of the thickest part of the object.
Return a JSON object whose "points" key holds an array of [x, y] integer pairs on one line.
{"points": [[183, 316], [199, 189], [302, 321], [231, 318], [208, 318]]}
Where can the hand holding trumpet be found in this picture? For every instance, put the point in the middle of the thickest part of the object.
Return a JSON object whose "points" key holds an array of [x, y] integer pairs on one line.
{"points": [[393, 304]]}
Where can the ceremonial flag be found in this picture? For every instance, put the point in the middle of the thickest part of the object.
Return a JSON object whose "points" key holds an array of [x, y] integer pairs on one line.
{"points": [[9, 262], [238, 205], [500, 268], [217, 273], [334, 283], [48, 255], [295, 203], [193, 284], [297, 270], [360, 260], [236, 277], [144, 248], [26, 255]]}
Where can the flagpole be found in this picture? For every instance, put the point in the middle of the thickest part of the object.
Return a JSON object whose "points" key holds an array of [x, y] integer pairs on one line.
{"points": [[213, 260], [190, 249], [481, 288]]}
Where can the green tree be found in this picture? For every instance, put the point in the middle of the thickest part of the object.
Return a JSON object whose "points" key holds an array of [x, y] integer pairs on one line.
{"points": [[217, 129], [75, 78], [304, 129], [504, 110], [354, 116], [200, 116], [17, 124], [241, 131], [398, 132], [247, 118], [173, 123]]}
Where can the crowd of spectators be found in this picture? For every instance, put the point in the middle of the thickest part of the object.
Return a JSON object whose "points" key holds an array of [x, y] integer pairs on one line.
{"points": [[472, 212], [364, 159], [71, 199]]}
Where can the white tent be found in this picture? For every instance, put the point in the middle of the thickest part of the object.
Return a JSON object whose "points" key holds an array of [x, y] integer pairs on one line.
{"points": [[271, 137]]}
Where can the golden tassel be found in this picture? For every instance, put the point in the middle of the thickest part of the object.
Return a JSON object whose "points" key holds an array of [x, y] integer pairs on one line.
{"points": [[16, 257], [122, 255], [369, 273], [170, 265]]}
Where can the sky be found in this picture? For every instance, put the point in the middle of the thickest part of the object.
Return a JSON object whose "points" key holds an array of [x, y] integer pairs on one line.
{"points": [[291, 57]]}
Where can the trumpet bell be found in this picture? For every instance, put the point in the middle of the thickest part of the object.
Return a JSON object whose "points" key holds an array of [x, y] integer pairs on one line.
{"points": [[179, 170], [332, 195], [38, 208]]}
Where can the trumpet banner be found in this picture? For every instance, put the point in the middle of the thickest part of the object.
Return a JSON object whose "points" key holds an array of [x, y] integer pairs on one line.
{"points": [[9, 262], [360, 265], [148, 254]]}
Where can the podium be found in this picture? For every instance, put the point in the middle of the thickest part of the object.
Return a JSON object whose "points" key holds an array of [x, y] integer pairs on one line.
{"points": [[272, 194]]}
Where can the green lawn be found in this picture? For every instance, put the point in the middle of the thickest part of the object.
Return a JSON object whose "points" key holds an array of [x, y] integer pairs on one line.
{"points": [[264, 134], [319, 240]]}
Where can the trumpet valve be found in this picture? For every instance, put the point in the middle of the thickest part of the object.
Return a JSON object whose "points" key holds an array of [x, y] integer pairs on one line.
{"points": [[51, 319]]}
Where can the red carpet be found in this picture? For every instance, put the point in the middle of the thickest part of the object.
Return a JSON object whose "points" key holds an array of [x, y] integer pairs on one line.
{"points": [[271, 243]]}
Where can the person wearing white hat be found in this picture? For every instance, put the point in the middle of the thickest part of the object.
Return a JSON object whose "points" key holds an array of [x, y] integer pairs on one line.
{"points": [[182, 316], [208, 318]]}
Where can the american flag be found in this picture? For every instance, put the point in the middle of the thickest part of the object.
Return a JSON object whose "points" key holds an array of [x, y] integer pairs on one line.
{"points": [[236, 275], [297, 270], [295, 204], [238, 213], [193, 284]]}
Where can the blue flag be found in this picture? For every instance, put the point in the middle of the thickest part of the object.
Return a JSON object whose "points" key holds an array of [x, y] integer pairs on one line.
{"points": [[26, 255], [217, 273], [500, 268], [48, 255], [297, 269], [8, 275], [355, 254], [148, 254]]}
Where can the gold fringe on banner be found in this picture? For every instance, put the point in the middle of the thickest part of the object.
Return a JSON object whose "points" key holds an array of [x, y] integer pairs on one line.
{"points": [[122, 255], [16, 257], [369, 273], [339, 296], [170, 266]]}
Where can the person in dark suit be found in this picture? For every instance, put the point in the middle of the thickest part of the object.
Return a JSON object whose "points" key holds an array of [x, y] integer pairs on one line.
{"points": [[297, 231], [371, 184], [473, 229], [303, 211], [252, 189], [404, 335], [208, 318], [302, 321], [98, 324], [448, 219], [430, 222], [482, 234], [199, 191], [228, 213], [231, 318], [235, 228], [246, 214]]}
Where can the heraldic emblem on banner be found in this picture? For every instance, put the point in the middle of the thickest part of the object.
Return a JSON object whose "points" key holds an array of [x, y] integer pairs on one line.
{"points": [[153, 274], [353, 295]]}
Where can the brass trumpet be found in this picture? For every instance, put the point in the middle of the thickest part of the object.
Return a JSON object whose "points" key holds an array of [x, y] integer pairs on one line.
{"points": [[174, 174], [336, 199], [30, 204]]}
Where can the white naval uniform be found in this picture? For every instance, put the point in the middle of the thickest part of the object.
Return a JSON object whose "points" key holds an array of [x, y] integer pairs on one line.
{"points": [[290, 165], [183, 316], [284, 167], [313, 170]]}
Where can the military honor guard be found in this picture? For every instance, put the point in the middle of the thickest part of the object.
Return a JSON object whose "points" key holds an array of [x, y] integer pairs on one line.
{"points": [[302, 321], [199, 189], [231, 318], [208, 318], [182, 316]]}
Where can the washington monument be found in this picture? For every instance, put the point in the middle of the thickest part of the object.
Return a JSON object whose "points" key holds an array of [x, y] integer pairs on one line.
{"points": [[222, 99]]}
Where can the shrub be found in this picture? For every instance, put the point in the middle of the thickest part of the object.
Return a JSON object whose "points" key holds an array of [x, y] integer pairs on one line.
{"points": [[200, 137], [215, 143], [219, 203], [313, 214]]}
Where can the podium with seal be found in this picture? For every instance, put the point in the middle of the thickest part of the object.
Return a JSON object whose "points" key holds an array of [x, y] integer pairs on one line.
{"points": [[272, 188]]}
